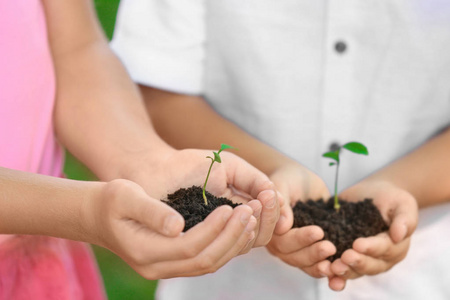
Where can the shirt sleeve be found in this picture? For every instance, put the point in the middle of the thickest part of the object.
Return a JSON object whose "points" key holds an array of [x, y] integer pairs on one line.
{"points": [[161, 43]]}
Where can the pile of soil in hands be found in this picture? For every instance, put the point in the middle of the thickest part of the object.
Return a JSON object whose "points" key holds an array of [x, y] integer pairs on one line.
{"points": [[190, 204], [352, 221]]}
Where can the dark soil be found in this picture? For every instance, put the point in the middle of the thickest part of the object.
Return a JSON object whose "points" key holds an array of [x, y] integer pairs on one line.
{"points": [[354, 220], [190, 204]]}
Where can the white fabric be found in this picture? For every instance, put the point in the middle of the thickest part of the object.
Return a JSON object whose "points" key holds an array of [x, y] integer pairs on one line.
{"points": [[270, 66]]}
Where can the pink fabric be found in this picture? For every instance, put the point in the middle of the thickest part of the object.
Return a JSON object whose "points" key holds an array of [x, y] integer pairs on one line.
{"points": [[33, 267], [27, 90]]}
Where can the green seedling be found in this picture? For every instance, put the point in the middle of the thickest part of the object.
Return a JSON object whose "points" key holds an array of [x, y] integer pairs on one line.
{"points": [[216, 158], [354, 147]]}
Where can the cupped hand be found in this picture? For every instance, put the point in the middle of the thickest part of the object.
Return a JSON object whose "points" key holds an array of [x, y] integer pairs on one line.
{"points": [[234, 179], [377, 254], [146, 233], [300, 247]]}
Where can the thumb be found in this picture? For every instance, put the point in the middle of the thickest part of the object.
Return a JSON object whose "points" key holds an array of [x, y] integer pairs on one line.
{"points": [[402, 226], [404, 220], [245, 177], [156, 215], [286, 219]]}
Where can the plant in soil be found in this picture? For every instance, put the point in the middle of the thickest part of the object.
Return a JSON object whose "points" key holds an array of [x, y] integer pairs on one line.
{"points": [[354, 147], [342, 221], [195, 203], [215, 159]]}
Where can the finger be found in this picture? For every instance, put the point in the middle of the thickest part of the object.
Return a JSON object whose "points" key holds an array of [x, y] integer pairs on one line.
{"points": [[186, 268], [269, 217], [243, 246], [154, 214], [196, 239], [404, 222], [256, 206], [244, 177], [286, 219], [360, 264], [401, 210], [247, 236], [240, 222], [297, 239], [207, 260], [257, 209], [188, 245], [374, 246], [368, 265], [336, 283], [310, 255], [319, 270], [339, 268]]}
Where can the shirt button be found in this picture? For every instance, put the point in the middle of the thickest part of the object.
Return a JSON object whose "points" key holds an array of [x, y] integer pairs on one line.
{"points": [[333, 146], [340, 47]]}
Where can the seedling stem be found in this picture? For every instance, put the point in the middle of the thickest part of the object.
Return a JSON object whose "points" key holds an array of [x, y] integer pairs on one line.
{"points": [[215, 159], [354, 147]]}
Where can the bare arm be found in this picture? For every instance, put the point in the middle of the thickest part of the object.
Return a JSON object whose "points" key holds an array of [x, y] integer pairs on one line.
{"points": [[186, 121], [424, 173], [120, 216], [99, 114], [44, 205], [101, 119]]}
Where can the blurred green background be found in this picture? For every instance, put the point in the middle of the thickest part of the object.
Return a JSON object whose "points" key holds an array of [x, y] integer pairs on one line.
{"points": [[121, 282]]}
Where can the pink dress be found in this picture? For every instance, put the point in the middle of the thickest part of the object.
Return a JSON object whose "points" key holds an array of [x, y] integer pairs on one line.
{"points": [[35, 267]]}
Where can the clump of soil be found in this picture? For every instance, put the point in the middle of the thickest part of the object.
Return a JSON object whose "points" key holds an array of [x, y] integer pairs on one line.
{"points": [[190, 204], [352, 221]]}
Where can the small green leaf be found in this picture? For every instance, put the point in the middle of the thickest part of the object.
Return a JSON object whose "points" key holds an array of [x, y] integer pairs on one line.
{"points": [[332, 164], [225, 146], [217, 157], [333, 155], [356, 147]]}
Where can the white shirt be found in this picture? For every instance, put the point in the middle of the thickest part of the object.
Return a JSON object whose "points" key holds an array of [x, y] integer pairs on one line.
{"points": [[273, 68]]}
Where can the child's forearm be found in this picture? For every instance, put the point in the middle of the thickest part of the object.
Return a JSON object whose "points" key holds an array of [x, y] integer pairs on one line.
{"points": [[189, 122], [424, 172], [43, 205], [99, 114]]}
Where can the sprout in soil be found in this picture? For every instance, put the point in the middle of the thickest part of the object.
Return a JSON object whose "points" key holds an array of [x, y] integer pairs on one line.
{"points": [[216, 158], [354, 147]]}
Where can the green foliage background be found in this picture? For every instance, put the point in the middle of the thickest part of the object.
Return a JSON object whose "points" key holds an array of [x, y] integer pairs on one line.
{"points": [[121, 282]]}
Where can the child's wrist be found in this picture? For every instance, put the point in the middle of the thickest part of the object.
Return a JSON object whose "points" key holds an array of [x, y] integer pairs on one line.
{"points": [[91, 205], [129, 165]]}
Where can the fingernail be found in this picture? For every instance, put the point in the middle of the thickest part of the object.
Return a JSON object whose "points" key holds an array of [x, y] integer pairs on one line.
{"points": [[323, 254], [322, 274], [226, 215], [315, 236], [252, 236], [171, 224], [362, 250], [355, 262], [245, 218], [257, 212], [251, 224], [282, 219], [404, 231], [272, 201]]}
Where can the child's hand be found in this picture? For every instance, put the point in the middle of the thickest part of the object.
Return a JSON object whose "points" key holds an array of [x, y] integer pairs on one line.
{"points": [[300, 247], [377, 254], [233, 178], [146, 233]]}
